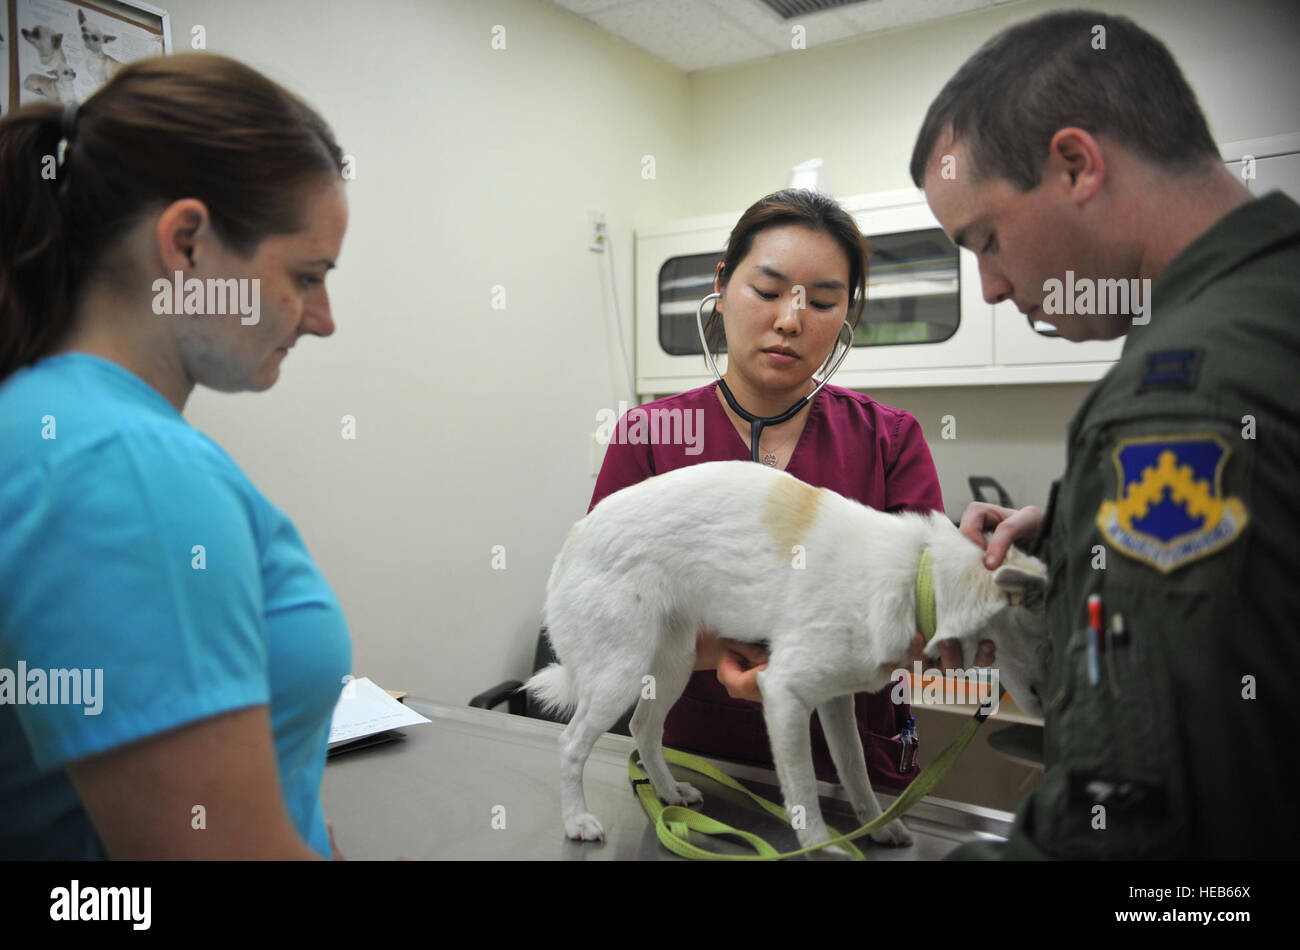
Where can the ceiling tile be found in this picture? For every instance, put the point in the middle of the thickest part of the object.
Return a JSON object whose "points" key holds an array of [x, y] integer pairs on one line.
{"points": [[704, 34]]}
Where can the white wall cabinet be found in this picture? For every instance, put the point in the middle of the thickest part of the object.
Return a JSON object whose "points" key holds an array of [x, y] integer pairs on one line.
{"points": [[1276, 164], [1016, 343], [927, 323]]}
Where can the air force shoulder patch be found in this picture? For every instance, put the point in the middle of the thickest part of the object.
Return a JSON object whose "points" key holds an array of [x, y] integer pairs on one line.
{"points": [[1170, 508]]}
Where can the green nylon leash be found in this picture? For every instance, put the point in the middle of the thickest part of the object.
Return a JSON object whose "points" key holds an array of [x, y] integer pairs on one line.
{"points": [[674, 823]]}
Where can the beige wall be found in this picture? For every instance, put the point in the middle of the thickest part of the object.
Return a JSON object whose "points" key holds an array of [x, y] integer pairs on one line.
{"points": [[476, 168], [859, 105], [1014, 433]]}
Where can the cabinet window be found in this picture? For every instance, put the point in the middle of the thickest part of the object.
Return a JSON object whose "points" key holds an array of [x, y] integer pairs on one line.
{"points": [[912, 290], [683, 283]]}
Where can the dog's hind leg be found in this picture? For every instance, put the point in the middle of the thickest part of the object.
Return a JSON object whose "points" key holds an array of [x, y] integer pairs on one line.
{"points": [[576, 742], [594, 715], [841, 731], [670, 672]]}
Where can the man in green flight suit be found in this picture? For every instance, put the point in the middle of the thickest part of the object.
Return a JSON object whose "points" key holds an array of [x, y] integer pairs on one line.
{"points": [[1070, 155]]}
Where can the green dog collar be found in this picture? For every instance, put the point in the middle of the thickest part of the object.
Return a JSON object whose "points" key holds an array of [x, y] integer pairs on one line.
{"points": [[926, 615]]}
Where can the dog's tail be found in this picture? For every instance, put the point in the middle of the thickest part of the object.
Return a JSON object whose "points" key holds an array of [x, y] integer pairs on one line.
{"points": [[554, 690]]}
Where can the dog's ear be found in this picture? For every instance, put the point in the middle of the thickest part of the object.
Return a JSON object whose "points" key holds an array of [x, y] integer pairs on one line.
{"points": [[1025, 586], [1014, 577]]}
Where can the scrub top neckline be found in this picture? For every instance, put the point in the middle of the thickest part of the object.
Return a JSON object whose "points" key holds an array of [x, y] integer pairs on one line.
{"points": [[117, 371], [813, 412]]}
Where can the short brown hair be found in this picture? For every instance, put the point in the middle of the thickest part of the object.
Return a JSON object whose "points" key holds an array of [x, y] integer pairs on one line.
{"points": [[1032, 79]]}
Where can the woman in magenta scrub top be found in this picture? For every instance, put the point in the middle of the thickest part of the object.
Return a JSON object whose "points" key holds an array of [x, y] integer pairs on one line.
{"points": [[794, 270]]}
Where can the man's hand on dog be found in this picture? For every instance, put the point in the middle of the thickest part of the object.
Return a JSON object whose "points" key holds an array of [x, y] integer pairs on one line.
{"points": [[738, 664], [1009, 526]]}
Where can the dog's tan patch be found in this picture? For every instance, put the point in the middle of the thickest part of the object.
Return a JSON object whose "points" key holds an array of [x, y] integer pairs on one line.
{"points": [[789, 510]]}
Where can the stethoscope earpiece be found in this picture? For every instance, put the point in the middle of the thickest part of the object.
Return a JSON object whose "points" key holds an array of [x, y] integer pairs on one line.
{"points": [[699, 326]]}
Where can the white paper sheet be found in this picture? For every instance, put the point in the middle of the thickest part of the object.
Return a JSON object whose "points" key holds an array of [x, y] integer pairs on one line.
{"points": [[364, 709]]}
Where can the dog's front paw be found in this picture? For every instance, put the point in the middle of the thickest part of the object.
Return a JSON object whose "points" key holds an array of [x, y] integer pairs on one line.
{"points": [[584, 827], [893, 835], [687, 794]]}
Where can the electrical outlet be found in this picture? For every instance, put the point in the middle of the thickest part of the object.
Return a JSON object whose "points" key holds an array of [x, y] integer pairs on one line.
{"points": [[598, 232]]}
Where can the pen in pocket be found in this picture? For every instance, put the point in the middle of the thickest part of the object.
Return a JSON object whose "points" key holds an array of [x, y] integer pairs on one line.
{"points": [[1095, 639]]}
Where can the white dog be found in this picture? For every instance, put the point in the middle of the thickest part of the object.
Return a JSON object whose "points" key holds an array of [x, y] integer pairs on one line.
{"points": [[48, 44], [99, 65], [754, 554], [57, 84]]}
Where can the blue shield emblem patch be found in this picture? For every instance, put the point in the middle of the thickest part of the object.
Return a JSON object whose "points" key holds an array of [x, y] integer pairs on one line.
{"points": [[1170, 508]]}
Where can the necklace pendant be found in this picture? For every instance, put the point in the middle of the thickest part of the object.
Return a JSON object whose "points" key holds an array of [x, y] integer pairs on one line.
{"points": [[769, 459]]}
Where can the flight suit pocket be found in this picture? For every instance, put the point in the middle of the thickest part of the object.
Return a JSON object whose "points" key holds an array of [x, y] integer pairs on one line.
{"points": [[1112, 745], [1141, 772]]}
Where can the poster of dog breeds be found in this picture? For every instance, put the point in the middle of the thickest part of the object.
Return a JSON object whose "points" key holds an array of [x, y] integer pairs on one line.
{"points": [[66, 50]]}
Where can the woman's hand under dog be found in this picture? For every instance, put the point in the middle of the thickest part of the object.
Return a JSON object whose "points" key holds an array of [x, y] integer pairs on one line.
{"points": [[1009, 526], [738, 664], [738, 668], [949, 655]]}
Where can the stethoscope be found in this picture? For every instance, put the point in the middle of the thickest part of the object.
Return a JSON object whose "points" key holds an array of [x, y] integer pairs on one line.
{"points": [[758, 423]]}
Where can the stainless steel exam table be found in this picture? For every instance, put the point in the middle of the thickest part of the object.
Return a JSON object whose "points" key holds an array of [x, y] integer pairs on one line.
{"points": [[476, 784]]}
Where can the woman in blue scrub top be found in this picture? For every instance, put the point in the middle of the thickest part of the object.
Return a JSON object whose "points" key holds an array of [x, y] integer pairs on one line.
{"points": [[170, 655]]}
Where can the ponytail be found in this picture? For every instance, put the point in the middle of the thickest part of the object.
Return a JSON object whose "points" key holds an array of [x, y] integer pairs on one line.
{"points": [[193, 125], [35, 272]]}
